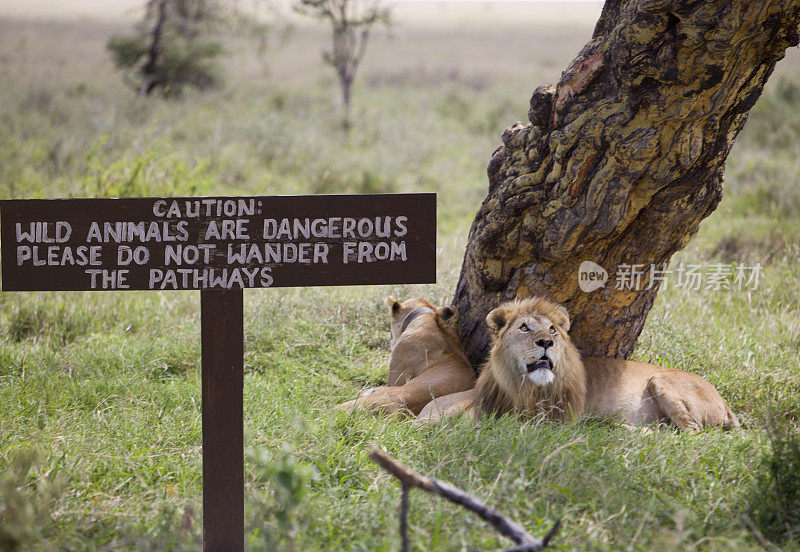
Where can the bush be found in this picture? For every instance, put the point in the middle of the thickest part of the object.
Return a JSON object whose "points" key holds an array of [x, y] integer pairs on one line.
{"points": [[171, 51], [274, 512]]}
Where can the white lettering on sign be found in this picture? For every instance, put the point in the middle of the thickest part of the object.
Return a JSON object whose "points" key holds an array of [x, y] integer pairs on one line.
{"points": [[189, 254], [56, 255], [194, 208], [139, 255], [335, 227], [204, 278], [217, 243], [108, 279], [126, 232], [227, 230], [44, 232], [305, 253], [368, 252]]}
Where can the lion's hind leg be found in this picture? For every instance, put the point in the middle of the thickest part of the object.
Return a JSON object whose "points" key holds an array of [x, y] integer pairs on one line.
{"points": [[689, 401], [410, 398]]}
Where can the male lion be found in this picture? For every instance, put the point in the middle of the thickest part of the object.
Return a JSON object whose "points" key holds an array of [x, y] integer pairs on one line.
{"points": [[427, 361], [533, 367]]}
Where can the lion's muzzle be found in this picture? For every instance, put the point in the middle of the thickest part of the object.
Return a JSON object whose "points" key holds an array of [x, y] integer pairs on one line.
{"points": [[543, 363]]}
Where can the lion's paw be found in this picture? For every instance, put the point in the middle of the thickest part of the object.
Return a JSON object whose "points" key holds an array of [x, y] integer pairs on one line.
{"points": [[367, 392]]}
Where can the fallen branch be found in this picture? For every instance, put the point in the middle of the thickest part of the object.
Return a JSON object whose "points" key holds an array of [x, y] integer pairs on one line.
{"points": [[408, 479], [404, 517]]}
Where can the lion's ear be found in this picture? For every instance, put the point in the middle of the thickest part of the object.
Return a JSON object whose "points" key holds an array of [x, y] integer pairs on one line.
{"points": [[445, 312], [564, 322], [392, 303], [497, 319]]}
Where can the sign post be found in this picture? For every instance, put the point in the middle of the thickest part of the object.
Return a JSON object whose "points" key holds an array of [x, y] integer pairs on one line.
{"points": [[222, 337], [218, 245]]}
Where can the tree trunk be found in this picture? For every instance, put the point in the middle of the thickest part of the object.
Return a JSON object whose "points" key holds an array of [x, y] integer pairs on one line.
{"points": [[347, 86], [150, 68], [620, 163]]}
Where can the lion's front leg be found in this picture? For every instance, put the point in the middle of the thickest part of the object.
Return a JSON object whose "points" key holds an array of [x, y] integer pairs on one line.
{"points": [[448, 406]]}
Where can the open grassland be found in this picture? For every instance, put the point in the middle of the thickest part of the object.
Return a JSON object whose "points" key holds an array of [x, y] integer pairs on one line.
{"points": [[105, 387]]}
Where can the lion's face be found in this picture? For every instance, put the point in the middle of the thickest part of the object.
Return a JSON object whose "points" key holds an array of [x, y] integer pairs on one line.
{"points": [[530, 345]]}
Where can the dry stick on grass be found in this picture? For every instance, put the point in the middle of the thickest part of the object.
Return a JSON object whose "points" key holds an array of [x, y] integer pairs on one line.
{"points": [[408, 479], [404, 516]]}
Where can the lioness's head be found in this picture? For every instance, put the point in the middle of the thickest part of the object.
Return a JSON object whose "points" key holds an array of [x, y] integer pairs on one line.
{"points": [[532, 356], [404, 312]]}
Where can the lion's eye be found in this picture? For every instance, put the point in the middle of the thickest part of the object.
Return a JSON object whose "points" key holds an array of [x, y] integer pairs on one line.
{"points": [[524, 328], [552, 329]]}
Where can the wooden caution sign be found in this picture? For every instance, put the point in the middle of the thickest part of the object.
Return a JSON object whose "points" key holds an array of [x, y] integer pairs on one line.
{"points": [[218, 245]]}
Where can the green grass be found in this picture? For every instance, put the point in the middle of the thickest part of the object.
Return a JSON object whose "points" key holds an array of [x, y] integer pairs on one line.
{"points": [[105, 387]]}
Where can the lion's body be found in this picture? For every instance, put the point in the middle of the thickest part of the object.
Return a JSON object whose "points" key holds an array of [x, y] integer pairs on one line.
{"points": [[427, 361], [515, 379], [644, 393]]}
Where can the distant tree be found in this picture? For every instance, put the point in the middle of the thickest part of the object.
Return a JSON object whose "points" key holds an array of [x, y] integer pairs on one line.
{"points": [[351, 22], [171, 48]]}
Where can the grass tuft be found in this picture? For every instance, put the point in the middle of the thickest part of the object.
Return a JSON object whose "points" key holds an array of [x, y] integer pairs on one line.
{"points": [[775, 503]]}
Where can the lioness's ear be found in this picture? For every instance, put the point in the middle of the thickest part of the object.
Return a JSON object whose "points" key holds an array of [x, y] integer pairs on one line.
{"points": [[564, 322], [497, 319], [445, 312], [392, 303]]}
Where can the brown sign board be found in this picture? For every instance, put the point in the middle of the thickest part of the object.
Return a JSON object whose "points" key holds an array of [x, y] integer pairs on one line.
{"points": [[217, 243]]}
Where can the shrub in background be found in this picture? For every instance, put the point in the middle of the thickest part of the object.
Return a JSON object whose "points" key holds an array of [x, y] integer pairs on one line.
{"points": [[173, 48], [274, 513]]}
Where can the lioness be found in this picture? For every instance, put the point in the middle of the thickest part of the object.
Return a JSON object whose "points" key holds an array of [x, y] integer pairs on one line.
{"points": [[427, 360], [533, 367]]}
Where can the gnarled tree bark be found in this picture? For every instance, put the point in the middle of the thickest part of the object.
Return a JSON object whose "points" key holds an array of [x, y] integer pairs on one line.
{"points": [[620, 163]]}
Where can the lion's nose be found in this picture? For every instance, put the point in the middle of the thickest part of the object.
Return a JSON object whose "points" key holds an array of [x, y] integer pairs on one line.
{"points": [[544, 343]]}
